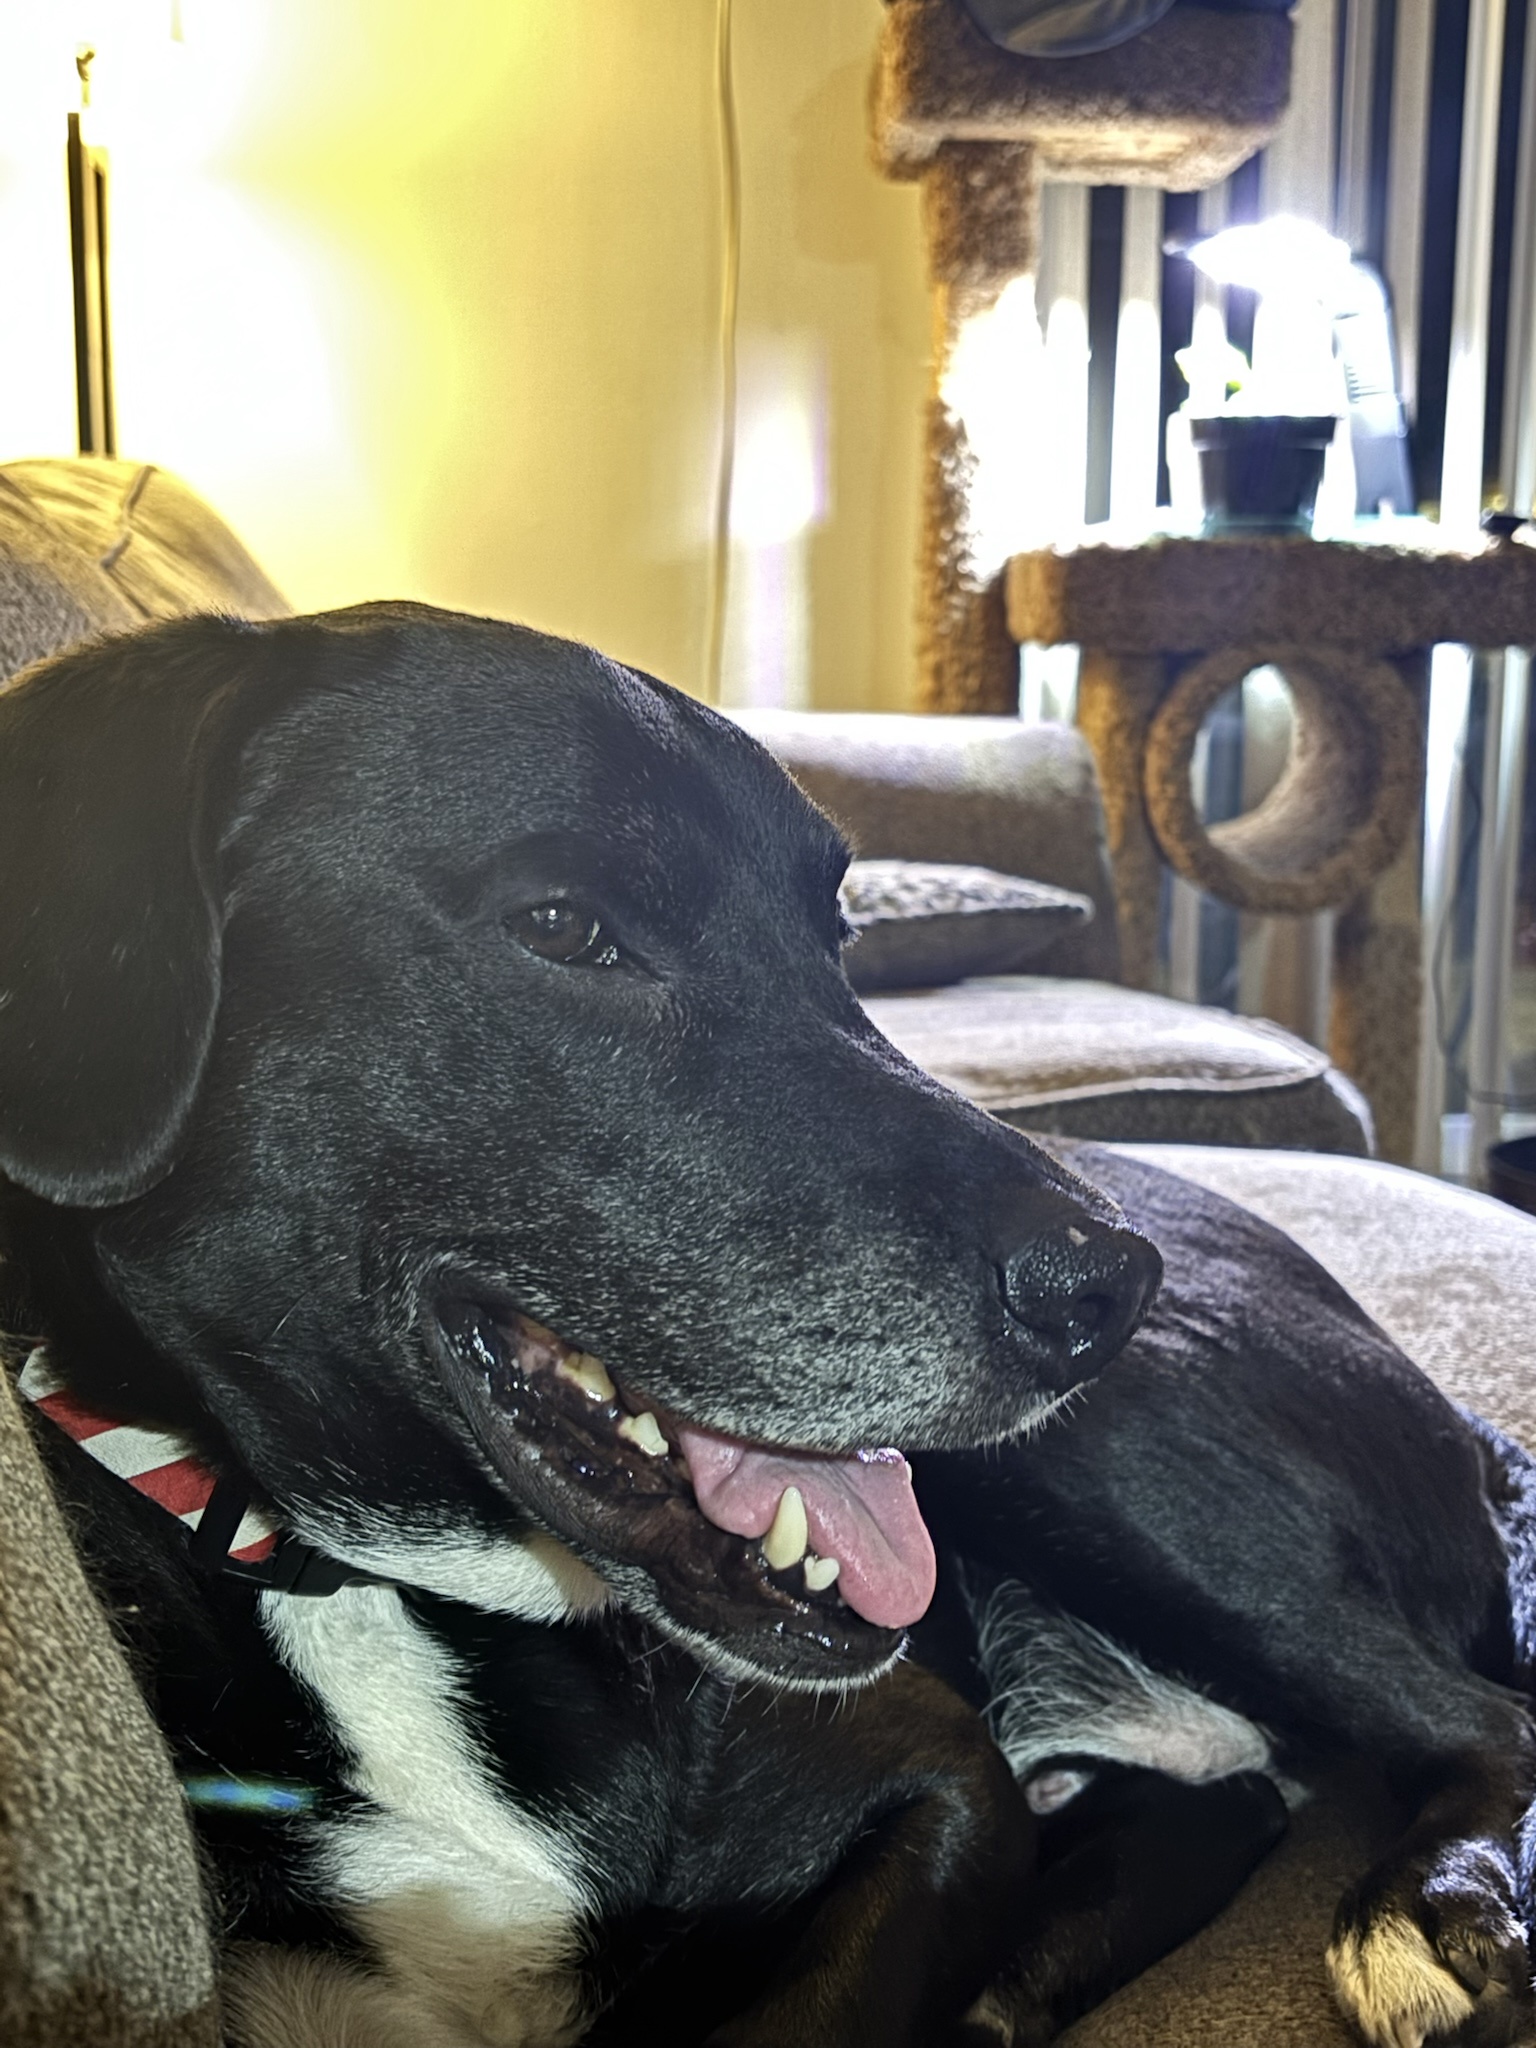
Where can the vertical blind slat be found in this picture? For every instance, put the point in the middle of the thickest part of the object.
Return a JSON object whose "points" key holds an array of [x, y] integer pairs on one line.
{"points": [[1352, 198], [1137, 418], [1299, 164], [1407, 155], [1517, 465], [1461, 466]]}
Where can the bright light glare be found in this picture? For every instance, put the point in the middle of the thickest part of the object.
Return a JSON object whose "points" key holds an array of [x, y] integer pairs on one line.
{"points": [[1279, 255], [777, 491], [1062, 479], [995, 383]]}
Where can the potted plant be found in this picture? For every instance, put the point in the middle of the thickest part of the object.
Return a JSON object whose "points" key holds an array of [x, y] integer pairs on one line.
{"points": [[1259, 463]]}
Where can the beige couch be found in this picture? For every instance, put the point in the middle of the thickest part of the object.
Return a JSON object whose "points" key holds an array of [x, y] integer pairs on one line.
{"points": [[102, 1943], [1064, 1048]]}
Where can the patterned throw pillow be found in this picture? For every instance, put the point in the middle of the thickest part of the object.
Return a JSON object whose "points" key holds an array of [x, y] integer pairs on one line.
{"points": [[921, 924]]}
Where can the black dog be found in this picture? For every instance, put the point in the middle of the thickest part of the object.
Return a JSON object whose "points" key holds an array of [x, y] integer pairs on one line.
{"points": [[382, 994], [378, 995]]}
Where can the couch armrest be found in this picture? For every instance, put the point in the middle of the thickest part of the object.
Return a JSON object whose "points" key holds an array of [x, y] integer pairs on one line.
{"points": [[1020, 798], [103, 1941]]}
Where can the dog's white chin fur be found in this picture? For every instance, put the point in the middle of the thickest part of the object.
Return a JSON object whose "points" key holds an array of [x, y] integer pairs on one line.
{"points": [[533, 1577], [741, 1670]]}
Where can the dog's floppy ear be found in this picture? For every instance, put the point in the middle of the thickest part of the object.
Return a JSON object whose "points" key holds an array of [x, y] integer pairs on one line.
{"points": [[116, 776]]}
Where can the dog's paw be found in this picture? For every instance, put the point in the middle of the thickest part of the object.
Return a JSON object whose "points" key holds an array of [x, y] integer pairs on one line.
{"points": [[1454, 1972], [988, 2024], [1004, 2017]]}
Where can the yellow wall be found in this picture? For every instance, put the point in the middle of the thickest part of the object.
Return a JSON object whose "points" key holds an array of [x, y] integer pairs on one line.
{"points": [[422, 294]]}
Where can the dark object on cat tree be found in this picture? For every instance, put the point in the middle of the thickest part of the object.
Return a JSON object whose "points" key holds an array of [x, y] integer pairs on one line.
{"points": [[1081, 28], [1063, 28], [1512, 1173], [1180, 106]]}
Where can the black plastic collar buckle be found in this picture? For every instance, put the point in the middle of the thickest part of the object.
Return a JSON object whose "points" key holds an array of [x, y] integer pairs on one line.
{"points": [[293, 1567]]}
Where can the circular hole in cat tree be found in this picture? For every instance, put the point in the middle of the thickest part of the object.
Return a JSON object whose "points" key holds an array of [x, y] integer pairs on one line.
{"points": [[1341, 806], [1242, 748]]}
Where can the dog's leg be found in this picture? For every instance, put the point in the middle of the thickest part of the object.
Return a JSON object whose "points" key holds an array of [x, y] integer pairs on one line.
{"points": [[1431, 1945], [276, 1997], [1136, 1864], [1337, 1626], [309, 1998], [919, 1914], [1153, 1801]]}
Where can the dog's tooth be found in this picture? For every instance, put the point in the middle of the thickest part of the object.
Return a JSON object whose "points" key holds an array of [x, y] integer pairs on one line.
{"points": [[820, 1572], [644, 1431], [588, 1373], [536, 1346], [787, 1538]]}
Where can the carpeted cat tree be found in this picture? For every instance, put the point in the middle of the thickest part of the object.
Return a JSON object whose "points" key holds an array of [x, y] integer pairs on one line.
{"points": [[1179, 105]]}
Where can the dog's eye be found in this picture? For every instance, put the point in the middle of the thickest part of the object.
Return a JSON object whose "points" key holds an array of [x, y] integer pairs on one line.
{"points": [[565, 932]]}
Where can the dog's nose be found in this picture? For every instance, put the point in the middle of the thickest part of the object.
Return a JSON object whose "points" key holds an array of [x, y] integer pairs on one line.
{"points": [[1076, 1295]]}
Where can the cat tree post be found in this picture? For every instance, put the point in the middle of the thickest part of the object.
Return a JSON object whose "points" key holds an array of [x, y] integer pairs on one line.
{"points": [[981, 212], [1179, 106]]}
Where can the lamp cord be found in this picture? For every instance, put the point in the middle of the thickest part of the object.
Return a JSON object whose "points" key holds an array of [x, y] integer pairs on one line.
{"points": [[730, 286]]}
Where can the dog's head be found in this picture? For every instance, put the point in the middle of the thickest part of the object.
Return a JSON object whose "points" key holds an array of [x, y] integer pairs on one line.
{"points": [[426, 1061]]}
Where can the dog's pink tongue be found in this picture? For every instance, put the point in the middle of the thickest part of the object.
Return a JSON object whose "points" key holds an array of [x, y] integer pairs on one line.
{"points": [[860, 1509]]}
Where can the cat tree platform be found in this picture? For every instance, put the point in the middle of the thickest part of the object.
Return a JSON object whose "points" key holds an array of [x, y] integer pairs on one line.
{"points": [[1179, 106], [1165, 628]]}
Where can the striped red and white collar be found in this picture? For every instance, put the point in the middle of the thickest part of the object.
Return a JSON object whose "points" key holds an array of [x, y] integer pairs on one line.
{"points": [[154, 1462]]}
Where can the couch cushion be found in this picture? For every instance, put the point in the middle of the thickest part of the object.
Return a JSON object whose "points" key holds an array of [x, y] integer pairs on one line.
{"points": [[1090, 1060], [1023, 799], [90, 545], [1450, 1275]]}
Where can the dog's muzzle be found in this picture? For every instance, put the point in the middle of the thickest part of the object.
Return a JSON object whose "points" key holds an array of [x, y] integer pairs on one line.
{"points": [[1075, 1295]]}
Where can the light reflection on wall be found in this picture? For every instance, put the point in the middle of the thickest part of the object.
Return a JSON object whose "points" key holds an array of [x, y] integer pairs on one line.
{"points": [[231, 313], [778, 499], [226, 312], [424, 299], [38, 87]]}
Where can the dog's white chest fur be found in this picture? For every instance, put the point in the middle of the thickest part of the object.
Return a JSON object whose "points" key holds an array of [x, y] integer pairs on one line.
{"points": [[470, 1905]]}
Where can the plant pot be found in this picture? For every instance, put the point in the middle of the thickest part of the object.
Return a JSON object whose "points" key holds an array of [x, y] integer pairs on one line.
{"points": [[1259, 473]]}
